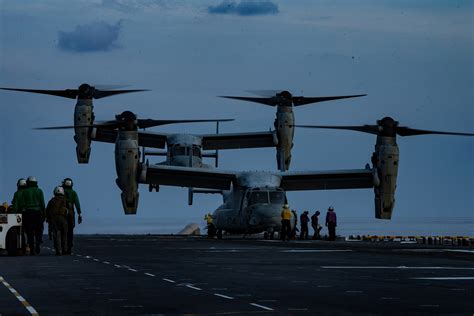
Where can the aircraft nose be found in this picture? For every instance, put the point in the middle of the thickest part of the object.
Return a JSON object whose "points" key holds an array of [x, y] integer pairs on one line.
{"points": [[266, 215]]}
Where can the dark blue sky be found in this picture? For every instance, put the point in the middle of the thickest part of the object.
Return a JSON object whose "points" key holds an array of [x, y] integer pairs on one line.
{"points": [[414, 61]]}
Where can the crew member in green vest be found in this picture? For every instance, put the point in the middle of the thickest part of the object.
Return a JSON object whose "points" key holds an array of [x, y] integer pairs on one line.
{"points": [[31, 200]]}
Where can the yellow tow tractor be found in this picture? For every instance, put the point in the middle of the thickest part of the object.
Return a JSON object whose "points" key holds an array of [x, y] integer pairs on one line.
{"points": [[10, 231]]}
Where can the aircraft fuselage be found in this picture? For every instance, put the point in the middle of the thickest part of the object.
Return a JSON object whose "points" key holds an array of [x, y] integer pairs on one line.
{"points": [[251, 211]]}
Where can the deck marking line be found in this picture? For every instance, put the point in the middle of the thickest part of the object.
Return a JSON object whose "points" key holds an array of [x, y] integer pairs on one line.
{"points": [[445, 278], [168, 280], [20, 298], [315, 250], [397, 267], [150, 274], [96, 259], [116, 265], [193, 287], [224, 296], [133, 270], [429, 305], [261, 306], [106, 262], [88, 257]]}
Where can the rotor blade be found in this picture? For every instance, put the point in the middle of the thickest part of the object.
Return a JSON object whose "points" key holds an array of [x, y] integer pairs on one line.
{"points": [[102, 124], [68, 93], [371, 129], [308, 100], [98, 94], [267, 101], [109, 86], [145, 123], [406, 131], [61, 127], [264, 93]]}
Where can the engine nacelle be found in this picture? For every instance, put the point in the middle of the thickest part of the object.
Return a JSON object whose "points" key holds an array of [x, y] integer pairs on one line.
{"points": [[285, 131], [128, 169], [83, 116], [385, 161]]}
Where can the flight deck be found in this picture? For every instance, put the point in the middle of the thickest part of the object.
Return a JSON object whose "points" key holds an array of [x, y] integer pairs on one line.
{"points": [[169, 275]]}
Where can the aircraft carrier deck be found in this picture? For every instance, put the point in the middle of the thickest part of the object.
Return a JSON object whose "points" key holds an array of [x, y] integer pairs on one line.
{"points": [[154, 275]]}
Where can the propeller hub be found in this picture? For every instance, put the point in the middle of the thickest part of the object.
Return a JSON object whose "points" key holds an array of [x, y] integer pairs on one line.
{"points": [[387, 127], [85, 91], [284, 98], [126, 116]]}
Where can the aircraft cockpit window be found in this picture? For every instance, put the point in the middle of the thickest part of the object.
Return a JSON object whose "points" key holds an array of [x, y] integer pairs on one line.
{"points": [[196, 151], [277, 197], [258, 197], [178, 151]]}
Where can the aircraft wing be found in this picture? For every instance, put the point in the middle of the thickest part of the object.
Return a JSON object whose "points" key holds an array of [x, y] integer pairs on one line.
{"points": [[187, 177], [238, 140], [327, 180], [146, 139]]}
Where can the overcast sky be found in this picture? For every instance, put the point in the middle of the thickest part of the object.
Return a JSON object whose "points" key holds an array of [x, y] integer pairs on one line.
{"points": [[414, 59]]}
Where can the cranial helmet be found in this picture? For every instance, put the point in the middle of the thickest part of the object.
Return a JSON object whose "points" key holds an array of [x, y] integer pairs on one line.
{"points": [[286, 206], [58, 190], [331, 208], [31, 179], [67, 182], [21, 183]]}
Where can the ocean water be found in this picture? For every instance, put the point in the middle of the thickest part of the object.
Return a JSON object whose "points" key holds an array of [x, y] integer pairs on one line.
{"points": [[413, 226]]}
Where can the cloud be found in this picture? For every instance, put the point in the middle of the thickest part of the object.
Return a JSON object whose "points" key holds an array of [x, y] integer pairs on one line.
{"points": [[244, 8], [93, 37]]}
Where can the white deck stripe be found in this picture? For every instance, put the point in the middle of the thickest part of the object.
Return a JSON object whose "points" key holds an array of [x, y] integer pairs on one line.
{"points": [[32, 310], [106, 262], [261, 306], [168, 280], [116, 265], [150, 274], [224, 296], [19, 297], [446, 278], [193, 287], [397, 267], [133, 270], [316, 250]]}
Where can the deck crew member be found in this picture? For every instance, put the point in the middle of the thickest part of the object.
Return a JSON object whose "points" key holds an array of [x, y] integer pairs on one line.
{"points": [[315, 224], [73, 203], [20, 185], [31, 200], [331, 223], [57, 215], [304, 220], [285, 222]]}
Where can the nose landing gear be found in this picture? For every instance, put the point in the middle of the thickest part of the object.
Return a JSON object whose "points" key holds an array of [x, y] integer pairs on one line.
{"points": [[270, 234]]}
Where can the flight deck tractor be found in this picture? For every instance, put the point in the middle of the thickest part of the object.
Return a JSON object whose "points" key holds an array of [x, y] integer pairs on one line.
{"points": [[10, 233]]}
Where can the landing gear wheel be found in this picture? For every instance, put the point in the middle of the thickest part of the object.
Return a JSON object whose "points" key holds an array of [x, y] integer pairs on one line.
{"points": [[272, 235], [219, 234], [265, 235]]}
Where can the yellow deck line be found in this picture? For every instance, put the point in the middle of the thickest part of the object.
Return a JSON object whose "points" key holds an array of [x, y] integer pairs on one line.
{"points": [[20, 298]]}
